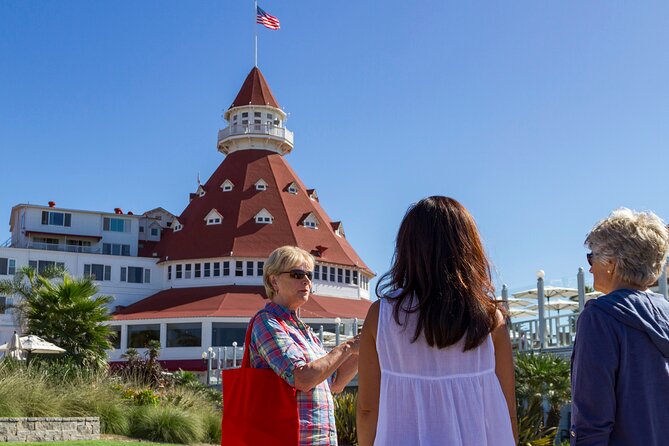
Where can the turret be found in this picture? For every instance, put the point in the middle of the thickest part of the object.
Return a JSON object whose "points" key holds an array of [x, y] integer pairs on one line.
{"points": [[255, 120]]}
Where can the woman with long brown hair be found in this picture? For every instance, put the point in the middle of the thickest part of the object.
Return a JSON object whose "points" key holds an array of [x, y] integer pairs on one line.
{"points": [[435, 365]]}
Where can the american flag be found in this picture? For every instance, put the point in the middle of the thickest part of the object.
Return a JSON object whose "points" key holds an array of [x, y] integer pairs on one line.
{"points": [[267, 20]]}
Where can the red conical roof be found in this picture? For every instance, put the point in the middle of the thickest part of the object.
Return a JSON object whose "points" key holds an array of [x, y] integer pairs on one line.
{"points": [[239, 235], [255, 91]]}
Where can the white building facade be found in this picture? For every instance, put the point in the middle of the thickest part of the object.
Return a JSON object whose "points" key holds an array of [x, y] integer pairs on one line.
{"points": [[193, 281]]}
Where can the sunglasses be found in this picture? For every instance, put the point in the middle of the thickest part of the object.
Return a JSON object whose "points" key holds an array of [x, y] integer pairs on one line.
{"points": [[589, 257], [299, 274]]}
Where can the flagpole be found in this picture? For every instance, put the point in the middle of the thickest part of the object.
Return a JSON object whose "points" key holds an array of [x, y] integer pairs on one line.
{"points": [[255, 32]]}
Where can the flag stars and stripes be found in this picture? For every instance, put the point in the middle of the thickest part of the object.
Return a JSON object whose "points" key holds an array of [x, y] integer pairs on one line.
{"points": [[267, 20]]}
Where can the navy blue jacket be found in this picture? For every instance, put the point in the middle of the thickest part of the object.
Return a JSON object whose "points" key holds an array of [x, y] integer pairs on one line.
{"points": [[620, 371]]}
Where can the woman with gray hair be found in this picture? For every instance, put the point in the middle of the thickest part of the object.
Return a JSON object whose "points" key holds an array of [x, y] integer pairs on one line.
{"points": [[620, 362]]}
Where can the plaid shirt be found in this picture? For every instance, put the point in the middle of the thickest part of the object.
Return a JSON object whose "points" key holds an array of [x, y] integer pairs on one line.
{"points": [[282, 351]]}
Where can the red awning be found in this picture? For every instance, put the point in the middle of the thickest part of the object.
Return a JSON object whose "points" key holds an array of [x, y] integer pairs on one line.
{"points": [[233, 301]]}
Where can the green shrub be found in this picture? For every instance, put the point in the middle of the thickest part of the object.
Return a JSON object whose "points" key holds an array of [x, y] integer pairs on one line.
{"points": [[166, 424], [212, 425], [544, 376], [345, 407]]}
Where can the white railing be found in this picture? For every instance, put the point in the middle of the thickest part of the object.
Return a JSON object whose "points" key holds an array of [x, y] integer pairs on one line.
{"points": [[256, 129], [64, 248], [560, 333]]}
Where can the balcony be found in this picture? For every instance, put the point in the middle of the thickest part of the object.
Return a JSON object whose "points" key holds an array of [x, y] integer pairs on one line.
{"points": [[256, 129], [63, 248]]}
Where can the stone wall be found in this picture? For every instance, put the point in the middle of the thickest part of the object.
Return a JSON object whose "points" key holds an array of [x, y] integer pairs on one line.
{"points": [[49, 429]]}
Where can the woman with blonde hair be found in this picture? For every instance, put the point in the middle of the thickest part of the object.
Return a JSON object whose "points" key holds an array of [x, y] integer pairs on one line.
{"points": [[435, 356], [620, 362], [281, 341]]}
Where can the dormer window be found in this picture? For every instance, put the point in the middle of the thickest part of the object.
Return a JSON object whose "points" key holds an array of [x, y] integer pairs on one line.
{"points": [[310, 221], [338, 228], [200, 191], [227, 186], [213, 218], [292, 188], [264, 217], [261, 184], [176, 226], [312, 194]]}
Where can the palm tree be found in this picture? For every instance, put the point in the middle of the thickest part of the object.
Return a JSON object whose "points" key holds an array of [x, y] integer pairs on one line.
{"points": [[23, 285], [70, 314]]}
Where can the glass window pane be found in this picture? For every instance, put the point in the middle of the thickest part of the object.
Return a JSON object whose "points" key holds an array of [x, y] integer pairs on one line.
{"points": [[184, 335], [140, 335], [115, 336], [224, 334]]}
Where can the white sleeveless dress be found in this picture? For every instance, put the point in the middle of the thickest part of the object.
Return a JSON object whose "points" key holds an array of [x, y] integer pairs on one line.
{"points": [[432, 396]]}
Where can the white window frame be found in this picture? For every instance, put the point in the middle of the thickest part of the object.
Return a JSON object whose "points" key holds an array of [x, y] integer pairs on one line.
{"points": [[213, 218], [227, 186], [264, 217], [310, 221], [261, 185]]}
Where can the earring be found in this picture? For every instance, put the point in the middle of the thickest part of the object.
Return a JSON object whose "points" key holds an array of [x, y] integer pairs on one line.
{"points": [[608, 272]]}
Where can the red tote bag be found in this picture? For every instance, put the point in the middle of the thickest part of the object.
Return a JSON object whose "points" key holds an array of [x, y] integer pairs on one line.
{"points": [[259, 408]]}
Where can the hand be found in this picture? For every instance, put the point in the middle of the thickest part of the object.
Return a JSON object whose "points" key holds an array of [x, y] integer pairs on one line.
{"points": [[354, 344]]}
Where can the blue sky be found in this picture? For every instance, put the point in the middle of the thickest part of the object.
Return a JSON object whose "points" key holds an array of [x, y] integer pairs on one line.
{"points": [[540, 117]]}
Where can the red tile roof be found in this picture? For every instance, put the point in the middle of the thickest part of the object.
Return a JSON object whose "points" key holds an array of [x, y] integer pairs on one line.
{"points": [[146, 248], [255, 91], [239, 235], [232, 301]]}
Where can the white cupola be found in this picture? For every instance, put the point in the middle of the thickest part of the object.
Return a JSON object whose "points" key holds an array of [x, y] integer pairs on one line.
{"points": [[255, 120]]}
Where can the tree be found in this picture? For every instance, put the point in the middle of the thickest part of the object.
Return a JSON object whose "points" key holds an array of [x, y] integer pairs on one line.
{"points": [[71, 315], [23, 285]]}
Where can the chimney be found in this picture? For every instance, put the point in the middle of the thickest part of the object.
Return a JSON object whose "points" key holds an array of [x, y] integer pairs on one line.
{"points": [[52, 204], [118, 211]]}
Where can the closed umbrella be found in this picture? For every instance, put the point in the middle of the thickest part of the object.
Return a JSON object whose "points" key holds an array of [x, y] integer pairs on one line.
{"points": [[14, 347]]}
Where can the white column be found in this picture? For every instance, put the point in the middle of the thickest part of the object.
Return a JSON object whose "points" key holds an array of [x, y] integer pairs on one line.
{"points": [[206, 334], [163, 335], [124, 338]]}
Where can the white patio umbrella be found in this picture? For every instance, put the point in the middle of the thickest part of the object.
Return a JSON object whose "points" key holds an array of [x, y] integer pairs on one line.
{"points": [[558, 304], [35, 344], [521, 312], [549, 292], [593, 295], [514, 302]]}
